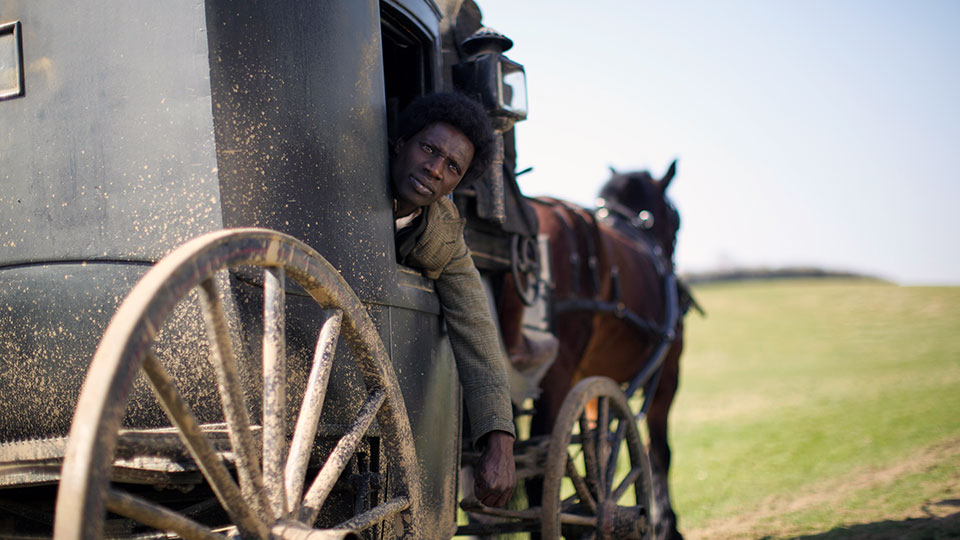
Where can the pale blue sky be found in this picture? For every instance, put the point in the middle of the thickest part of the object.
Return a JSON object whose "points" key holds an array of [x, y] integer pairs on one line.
{"points": [[821, 132]]}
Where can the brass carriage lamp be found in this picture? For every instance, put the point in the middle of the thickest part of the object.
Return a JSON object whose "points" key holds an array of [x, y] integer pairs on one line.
{"points": [[500, 85]]}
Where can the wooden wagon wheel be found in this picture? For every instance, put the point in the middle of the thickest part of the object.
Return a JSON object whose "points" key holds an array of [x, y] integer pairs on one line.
{"points": [[525, 267], [598, 507], [271, 501]]}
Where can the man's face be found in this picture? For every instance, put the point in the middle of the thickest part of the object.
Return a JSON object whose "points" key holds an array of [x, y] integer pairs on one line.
{"points": [[428, 166]]}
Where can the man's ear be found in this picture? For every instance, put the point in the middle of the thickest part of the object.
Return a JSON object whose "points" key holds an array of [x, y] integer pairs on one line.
{"points": [[397, 146]]}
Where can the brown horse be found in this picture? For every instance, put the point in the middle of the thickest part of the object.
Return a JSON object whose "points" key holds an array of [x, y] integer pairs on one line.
{"points": [[606, 265]]}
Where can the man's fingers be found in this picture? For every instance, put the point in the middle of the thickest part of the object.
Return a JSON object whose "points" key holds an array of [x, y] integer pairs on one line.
{"points": [[493, 497], [495, 475], [496, 499], [486, 494], [483, 492]]}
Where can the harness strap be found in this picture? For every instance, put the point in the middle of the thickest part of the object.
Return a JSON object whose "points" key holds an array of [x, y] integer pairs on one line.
{"points": [[591, 239], [624, 225], [559, 209], [614, 282], [613, 308]]}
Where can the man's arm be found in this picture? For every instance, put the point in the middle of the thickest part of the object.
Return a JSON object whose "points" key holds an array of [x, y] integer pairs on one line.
{"points": [[481, 367], [476, 346]]}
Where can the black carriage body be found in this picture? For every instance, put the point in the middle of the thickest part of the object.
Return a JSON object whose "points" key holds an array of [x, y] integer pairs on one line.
{"points": [[145, 124]]}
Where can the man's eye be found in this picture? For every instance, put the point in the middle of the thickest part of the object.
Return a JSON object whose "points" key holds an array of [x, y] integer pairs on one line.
{"points": [[426, 148], [454, 168]]}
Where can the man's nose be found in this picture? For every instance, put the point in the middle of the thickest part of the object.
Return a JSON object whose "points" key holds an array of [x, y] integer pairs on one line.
{"points": [[434, 165]]}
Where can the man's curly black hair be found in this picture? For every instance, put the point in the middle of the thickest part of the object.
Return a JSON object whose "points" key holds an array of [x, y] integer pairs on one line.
{"points": [[460, 112]]}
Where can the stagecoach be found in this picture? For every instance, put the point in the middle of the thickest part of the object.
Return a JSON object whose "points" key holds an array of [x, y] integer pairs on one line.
{"points": [[204, 331]]}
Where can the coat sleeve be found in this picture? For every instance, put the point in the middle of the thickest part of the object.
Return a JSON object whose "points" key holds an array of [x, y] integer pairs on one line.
{"points": [[476, 344]]}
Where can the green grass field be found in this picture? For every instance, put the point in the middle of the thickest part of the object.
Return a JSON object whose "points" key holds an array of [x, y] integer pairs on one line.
{"points": [[819, 409]]}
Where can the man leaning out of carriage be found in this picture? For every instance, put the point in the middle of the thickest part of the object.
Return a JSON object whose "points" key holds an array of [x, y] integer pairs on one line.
{"points": [[444, 139]]}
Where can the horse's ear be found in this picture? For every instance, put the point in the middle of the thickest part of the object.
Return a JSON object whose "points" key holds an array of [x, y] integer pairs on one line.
{"points": [[671, 172]]}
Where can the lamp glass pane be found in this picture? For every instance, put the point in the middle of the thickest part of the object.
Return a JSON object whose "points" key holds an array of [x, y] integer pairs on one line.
{"points": [[513, 93]]}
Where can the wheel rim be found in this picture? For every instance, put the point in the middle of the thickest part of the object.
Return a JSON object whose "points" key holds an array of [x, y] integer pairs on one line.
{"points": [[272, 497], [594, 501]]}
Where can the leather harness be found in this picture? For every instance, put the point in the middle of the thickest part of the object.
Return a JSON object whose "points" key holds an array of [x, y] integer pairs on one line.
{"points": [[663, 334]]}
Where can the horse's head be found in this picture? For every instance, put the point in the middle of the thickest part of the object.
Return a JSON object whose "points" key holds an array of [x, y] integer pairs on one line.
{"points": [[644, 199]]}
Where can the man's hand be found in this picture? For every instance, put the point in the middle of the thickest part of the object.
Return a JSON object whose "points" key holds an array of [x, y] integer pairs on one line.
{"points": [[495, 476]]}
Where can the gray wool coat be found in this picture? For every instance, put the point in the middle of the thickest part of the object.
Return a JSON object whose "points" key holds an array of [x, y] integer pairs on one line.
{"points": [[442, 255]]}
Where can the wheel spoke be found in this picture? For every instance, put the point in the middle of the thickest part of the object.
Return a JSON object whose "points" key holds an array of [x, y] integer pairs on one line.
{"points": [[310, 410], [274, 387], [231, 396], [294, 530], [157, 516], [188, 428], [579, 485], [603, 444], [588, 443], [615, 450], [577, 519], [375, 515], [570, 502], [625, 484], [338, 459]]}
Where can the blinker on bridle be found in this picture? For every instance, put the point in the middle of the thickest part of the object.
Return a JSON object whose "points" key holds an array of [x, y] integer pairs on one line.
{"points": [[643, 220]]}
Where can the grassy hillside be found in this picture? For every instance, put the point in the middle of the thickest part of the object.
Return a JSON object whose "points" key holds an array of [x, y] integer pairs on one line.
{"points": [[814, 406]]}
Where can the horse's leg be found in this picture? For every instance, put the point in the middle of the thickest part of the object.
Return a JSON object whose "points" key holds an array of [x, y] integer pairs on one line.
{"points": [[666, 519]]}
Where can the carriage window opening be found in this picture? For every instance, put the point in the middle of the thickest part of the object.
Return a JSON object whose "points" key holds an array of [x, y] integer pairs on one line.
{"points": [[406, 75], [406, 67]]}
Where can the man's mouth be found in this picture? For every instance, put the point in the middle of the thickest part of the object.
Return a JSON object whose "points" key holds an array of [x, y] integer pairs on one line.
{"points": [[421, 187]]}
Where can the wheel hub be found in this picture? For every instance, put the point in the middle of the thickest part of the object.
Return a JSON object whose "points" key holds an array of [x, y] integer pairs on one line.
{"points": [[622, 522]]}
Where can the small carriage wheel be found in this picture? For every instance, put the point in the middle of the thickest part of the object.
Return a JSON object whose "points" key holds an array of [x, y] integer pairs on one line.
{"points": [[268, 502], [525, 267], [595, 507]]}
